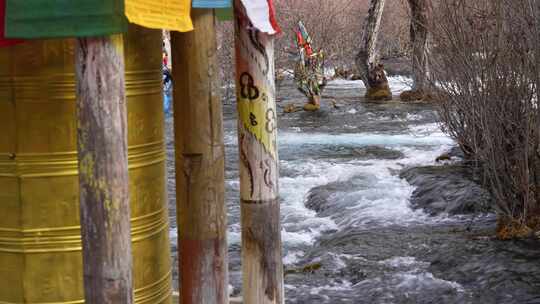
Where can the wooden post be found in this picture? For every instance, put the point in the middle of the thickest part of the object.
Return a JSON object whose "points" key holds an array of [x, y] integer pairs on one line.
{"points": [[103, 171], [371, 72], [200, 172], [257, 133]]}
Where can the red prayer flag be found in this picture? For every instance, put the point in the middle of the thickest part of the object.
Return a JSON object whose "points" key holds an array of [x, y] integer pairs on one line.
{"points": [[262, 15], [3, 40], [299, 38]]}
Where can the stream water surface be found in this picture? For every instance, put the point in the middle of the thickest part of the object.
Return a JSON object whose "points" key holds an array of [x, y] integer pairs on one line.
{"points": [[345, 209]]}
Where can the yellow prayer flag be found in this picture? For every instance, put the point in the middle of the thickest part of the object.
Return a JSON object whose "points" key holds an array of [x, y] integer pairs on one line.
{"points": [[171, 15]]}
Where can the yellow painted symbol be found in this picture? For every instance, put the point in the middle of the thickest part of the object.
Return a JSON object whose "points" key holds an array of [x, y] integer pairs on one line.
{"points": [[257, 114]]}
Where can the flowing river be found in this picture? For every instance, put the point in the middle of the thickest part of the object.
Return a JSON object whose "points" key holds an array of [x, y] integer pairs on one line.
{"points": [[350, 232]]}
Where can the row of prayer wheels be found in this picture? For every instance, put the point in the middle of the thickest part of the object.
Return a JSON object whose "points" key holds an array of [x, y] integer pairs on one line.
{"points": [[40, 242]]}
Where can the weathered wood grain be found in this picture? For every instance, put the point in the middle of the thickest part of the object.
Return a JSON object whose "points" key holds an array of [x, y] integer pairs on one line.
{"points": [[262, 265], [103, 171], [200, 180]]}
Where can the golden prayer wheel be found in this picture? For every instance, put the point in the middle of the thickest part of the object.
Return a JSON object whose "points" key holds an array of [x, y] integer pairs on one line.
{"points": [[40, 242]]}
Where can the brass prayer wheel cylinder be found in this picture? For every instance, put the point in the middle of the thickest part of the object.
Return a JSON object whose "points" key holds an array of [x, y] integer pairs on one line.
{"points": [[40, 242]]}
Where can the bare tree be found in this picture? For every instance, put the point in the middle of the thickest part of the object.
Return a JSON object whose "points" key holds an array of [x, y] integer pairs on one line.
{"points": [[487, 69], [421, 15], [334, 25], [331, 24], [371, 71]]}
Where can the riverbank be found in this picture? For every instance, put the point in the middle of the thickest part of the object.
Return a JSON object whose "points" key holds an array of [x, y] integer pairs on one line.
{"points": [[347, 207]]}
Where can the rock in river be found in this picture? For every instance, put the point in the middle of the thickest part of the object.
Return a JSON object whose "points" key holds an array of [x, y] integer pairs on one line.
{"points": [[448, 189]]}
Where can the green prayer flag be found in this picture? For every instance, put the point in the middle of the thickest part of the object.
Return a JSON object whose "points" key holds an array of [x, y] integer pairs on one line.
{"points": [[224, 14], [64, 18]]}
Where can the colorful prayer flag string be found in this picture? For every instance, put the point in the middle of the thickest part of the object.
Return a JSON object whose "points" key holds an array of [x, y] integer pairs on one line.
{"points": [[81, 18]]}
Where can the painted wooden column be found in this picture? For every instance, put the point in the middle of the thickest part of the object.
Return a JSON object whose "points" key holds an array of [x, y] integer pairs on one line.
{"points": [[200, 172], [103, 171], [257, 133]]}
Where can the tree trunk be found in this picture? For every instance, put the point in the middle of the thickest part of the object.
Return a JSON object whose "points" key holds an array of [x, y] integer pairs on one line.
{"points": [[200, 180], [535, 8], [103, 171], [371, 71], [421, 14], [257, 133]]}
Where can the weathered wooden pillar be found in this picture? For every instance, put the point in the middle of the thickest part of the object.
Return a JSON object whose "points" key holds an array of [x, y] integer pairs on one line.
{"points": [[257, 133], [103, 171], [200, 173]]}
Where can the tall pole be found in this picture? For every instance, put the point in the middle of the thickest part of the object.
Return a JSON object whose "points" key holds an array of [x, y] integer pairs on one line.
{"points": [[200, 171], [103, 171], [262, 265]]}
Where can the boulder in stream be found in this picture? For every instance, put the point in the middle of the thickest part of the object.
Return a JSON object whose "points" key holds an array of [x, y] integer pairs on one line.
{"points": [[448, 189]]}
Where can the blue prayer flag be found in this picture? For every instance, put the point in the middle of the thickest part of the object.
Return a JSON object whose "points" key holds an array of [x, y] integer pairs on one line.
{"points": [[211, 3]]}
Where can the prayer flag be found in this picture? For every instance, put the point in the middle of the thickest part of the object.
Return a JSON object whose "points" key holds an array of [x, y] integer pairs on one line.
{"points": [[211, 3], [64, 18], [262, 16], [224, 14], [80, 18], [3, 40], [223, 8], [171, 15]]}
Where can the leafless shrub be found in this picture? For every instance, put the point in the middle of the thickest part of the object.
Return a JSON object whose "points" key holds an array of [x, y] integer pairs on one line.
{"points": [[486, 64], [336, 27]]}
